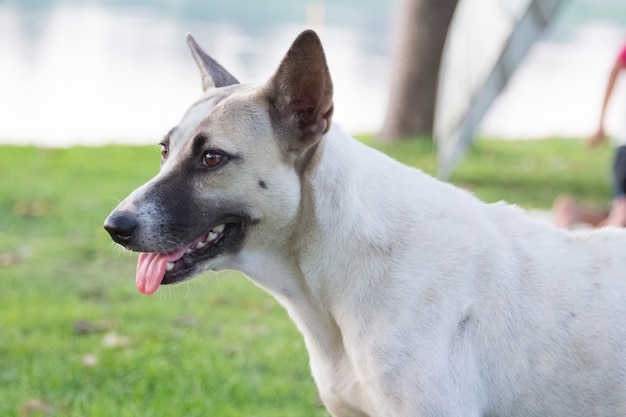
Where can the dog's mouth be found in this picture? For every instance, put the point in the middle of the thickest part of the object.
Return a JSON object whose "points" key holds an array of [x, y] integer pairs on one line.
{"points": [[155, 269]]}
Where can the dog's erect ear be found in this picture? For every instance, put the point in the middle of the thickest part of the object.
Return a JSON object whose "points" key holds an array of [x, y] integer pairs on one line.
{"points": [[213, 74], [301, 90]]}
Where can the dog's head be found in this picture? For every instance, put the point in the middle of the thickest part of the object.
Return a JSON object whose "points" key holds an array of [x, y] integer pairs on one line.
{"points": [[230, 178]]}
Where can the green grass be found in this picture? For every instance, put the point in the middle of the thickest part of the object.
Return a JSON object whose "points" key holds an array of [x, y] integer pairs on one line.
{"points": [[216, 346]]}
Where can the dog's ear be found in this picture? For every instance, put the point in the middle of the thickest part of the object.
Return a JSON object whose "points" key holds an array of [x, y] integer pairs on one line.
{"points": [[213, 74], [300, 93]]}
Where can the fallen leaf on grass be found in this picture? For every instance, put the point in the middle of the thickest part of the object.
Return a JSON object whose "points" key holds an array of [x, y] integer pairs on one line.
{"points": [[14, 257], [90, 360], [186, 321], [95, 293], [88, 327], [114, 340], [35, 406], [34, 208]]}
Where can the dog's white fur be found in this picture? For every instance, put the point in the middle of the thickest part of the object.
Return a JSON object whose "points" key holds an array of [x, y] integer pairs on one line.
{"points": [[415, 298]]}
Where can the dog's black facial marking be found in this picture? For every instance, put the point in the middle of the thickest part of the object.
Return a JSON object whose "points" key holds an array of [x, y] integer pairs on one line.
{"points": [[180, 210], [199, 143], [202, 226], [263, 184]]}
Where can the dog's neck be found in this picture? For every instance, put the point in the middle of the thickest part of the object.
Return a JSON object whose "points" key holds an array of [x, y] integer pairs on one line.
{"points": [[341, 217]]}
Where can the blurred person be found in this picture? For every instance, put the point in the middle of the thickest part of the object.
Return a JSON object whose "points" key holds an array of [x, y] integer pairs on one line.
{"points": [[567, 212]]}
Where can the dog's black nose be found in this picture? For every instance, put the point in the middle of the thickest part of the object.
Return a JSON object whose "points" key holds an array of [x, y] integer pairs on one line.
{"points": [[121, 226]]}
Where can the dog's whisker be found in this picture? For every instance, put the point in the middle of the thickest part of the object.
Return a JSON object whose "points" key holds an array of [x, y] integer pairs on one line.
{"points": [[116, 199]]}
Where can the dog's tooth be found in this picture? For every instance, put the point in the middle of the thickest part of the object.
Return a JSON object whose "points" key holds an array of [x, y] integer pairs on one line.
{"points": [[187, 260], [219, 229], [212, 236], [200, 245], [169, 266]]}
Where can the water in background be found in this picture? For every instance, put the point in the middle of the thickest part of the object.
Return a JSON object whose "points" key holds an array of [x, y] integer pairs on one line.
{"points": [[101, 71]]}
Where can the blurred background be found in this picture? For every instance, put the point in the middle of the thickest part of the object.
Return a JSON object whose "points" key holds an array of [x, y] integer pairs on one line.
{"points": [[75, 337], [103, 71]]}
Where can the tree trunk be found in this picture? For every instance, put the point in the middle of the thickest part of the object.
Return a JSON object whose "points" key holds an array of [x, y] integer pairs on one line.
{"points": [[421, 33]]}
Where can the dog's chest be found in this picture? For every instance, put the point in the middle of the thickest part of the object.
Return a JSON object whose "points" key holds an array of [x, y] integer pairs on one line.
{"points": [[340, 387], [342, 394]]}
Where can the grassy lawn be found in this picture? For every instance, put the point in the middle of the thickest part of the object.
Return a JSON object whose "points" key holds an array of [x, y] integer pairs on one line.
{"points": [[77, 339]]}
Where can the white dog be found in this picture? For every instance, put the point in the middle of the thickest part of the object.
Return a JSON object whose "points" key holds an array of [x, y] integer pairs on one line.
{"points": [[414, 298]]}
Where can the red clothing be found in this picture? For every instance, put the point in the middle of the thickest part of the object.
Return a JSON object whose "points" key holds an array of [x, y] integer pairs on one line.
{"points": [[622, 56]]}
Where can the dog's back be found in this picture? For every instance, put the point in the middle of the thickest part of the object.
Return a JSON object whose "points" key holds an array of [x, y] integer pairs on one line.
{"points": [[554, 329]]}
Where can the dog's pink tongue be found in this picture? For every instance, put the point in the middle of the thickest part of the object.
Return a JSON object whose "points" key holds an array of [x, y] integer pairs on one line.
{"points": [[151, 270]]}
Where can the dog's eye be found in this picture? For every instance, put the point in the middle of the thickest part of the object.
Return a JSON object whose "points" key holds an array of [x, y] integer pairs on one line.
{"points": [[212, 159], [164, 151]]}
